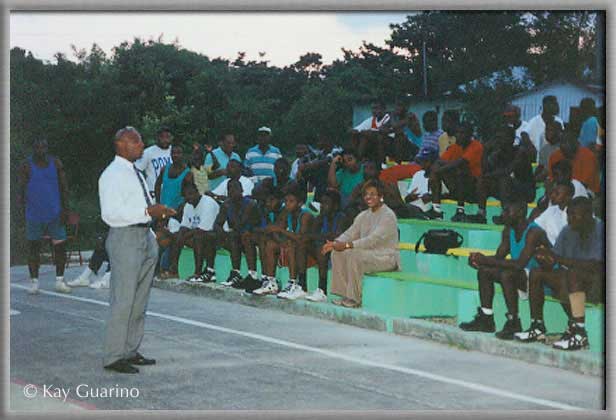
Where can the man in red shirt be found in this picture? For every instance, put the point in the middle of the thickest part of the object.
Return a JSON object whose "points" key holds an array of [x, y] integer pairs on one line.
{"points": [[583, 161], [459, 168]]}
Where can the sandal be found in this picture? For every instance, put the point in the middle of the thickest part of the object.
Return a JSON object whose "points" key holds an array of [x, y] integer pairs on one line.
{"points": [[338, 302], [348, 303]]}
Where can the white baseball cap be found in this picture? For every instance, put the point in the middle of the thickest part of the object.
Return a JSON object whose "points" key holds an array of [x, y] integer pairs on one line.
{"points": [[265, 130]]}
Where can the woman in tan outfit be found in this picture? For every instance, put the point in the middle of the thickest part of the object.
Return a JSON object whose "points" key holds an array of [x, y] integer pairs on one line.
{"points": [[369, 245]]}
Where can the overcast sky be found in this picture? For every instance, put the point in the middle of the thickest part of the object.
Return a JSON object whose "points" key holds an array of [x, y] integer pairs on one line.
{"points": [[283, 36]]}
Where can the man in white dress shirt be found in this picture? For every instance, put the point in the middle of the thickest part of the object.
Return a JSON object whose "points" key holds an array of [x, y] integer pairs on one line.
{"points": [[131, 245]]}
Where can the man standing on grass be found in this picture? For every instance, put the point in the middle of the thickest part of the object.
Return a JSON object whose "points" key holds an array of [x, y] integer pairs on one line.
{"points": [[43, 191]]}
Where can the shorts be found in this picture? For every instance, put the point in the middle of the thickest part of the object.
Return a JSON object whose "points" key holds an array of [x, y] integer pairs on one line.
{"points": [[36, 230], [523, 294]]}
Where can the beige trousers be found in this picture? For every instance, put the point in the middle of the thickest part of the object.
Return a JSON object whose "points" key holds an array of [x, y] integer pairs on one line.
{"points": [[348, 268]]}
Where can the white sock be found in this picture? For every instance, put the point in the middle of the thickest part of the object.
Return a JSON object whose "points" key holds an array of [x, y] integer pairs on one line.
{"points": [[292, 281], [59, 279], [34, 280], [460, 209], [252, 274], [211, 270], [487, 311], [234, 270], [86, 273], [437, 207]]}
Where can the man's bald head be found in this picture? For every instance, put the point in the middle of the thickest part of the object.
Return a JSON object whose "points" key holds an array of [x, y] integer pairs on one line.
{"points": [[128, 144]]}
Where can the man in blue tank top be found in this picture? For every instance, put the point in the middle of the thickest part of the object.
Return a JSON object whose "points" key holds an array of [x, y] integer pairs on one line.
{"points": [[43, 191], [520, 239]]}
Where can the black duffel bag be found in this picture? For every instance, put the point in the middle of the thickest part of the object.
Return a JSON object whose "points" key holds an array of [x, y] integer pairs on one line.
{"points": [[438, 241]]}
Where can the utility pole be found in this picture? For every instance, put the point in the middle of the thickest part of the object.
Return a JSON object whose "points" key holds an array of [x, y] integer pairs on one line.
{"points": [[425, 70]]}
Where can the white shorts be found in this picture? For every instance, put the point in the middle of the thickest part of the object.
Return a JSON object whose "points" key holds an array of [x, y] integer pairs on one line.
{"points": [[521, 293]]}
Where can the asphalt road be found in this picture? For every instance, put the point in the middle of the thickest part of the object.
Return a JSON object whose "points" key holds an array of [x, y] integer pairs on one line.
{"points": [[214, 355]]}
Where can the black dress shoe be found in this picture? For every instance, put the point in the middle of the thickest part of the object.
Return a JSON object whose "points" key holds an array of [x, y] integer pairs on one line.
{"points": [[139, 360], [122, 366]]}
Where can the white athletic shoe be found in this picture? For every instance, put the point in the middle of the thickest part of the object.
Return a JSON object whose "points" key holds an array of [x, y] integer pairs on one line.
{"points": [[102, 283], [62, 287], [293, 291], [34, 289], [107, 279], [270, 287], [317, 296], [82, 281]]}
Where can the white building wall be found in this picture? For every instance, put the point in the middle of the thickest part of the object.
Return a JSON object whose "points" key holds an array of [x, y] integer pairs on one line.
{"points": [[568, 96]]}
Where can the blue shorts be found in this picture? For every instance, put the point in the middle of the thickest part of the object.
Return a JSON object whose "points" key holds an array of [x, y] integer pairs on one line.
{"points": [[36, 230]]}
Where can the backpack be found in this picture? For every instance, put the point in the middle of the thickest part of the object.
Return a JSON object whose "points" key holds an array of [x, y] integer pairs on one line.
{"points": [[438, 241]]}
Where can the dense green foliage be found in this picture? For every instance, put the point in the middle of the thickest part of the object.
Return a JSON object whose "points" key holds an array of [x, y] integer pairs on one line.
{"points": [[79, 104]]}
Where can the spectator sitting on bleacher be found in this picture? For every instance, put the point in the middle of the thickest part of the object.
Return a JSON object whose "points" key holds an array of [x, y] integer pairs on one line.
{"points": [[199, 170], [431, 135], [345, 173], [234, 171], [287, 246], [260, 158], [269, 206], [520, 239], [589, 131], [449, 122], [584, 165], [574, 269], [327, 226], [281, 178], [403, 134], [367, 138], [554, 218], [513, 119], [236, 218], [561, 172], [196, 231], [553, 137], [172, 178], [507, 171], [537, 124], [369, 245], [391, 194], [219, 158], [312, 166], [418, 196], [458, 169]]}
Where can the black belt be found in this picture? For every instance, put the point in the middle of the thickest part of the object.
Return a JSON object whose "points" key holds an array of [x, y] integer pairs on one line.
{"points": [[141, 225]]}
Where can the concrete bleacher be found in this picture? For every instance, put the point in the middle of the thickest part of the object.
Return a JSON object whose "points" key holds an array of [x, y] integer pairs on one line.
{"points": [[432, 285]]}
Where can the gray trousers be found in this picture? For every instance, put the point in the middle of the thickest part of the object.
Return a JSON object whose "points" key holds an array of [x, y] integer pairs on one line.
{"points": [[133, 252]]}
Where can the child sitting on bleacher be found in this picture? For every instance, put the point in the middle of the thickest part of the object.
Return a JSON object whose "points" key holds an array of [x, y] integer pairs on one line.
{"points": [[330, 223], [237, 216], [196, 231], [269, 207], [520, 239], [283, 246]]}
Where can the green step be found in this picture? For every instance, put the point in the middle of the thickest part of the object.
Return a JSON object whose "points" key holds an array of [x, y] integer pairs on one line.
{"points": [[474, 235]]}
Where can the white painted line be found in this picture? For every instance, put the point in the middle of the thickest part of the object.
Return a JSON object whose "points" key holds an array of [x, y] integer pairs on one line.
{"points": [[415, 372], [14, 312]]}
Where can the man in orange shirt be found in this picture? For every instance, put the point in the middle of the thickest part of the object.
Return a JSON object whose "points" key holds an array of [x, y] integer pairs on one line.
{"points": [[459, 168], [583, 161]]}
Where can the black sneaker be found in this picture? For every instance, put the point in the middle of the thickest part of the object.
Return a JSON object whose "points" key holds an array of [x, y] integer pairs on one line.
{"points": [[434, 214], [481, 322], [208, 277], [476, 218], [251, 284], [575, 338], [460, 216], [512, 326], [498, 220], [536, 332], [234, 276]]}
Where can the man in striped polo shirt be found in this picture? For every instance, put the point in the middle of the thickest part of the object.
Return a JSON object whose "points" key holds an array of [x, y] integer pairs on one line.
{"points": [[260, 158]]}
